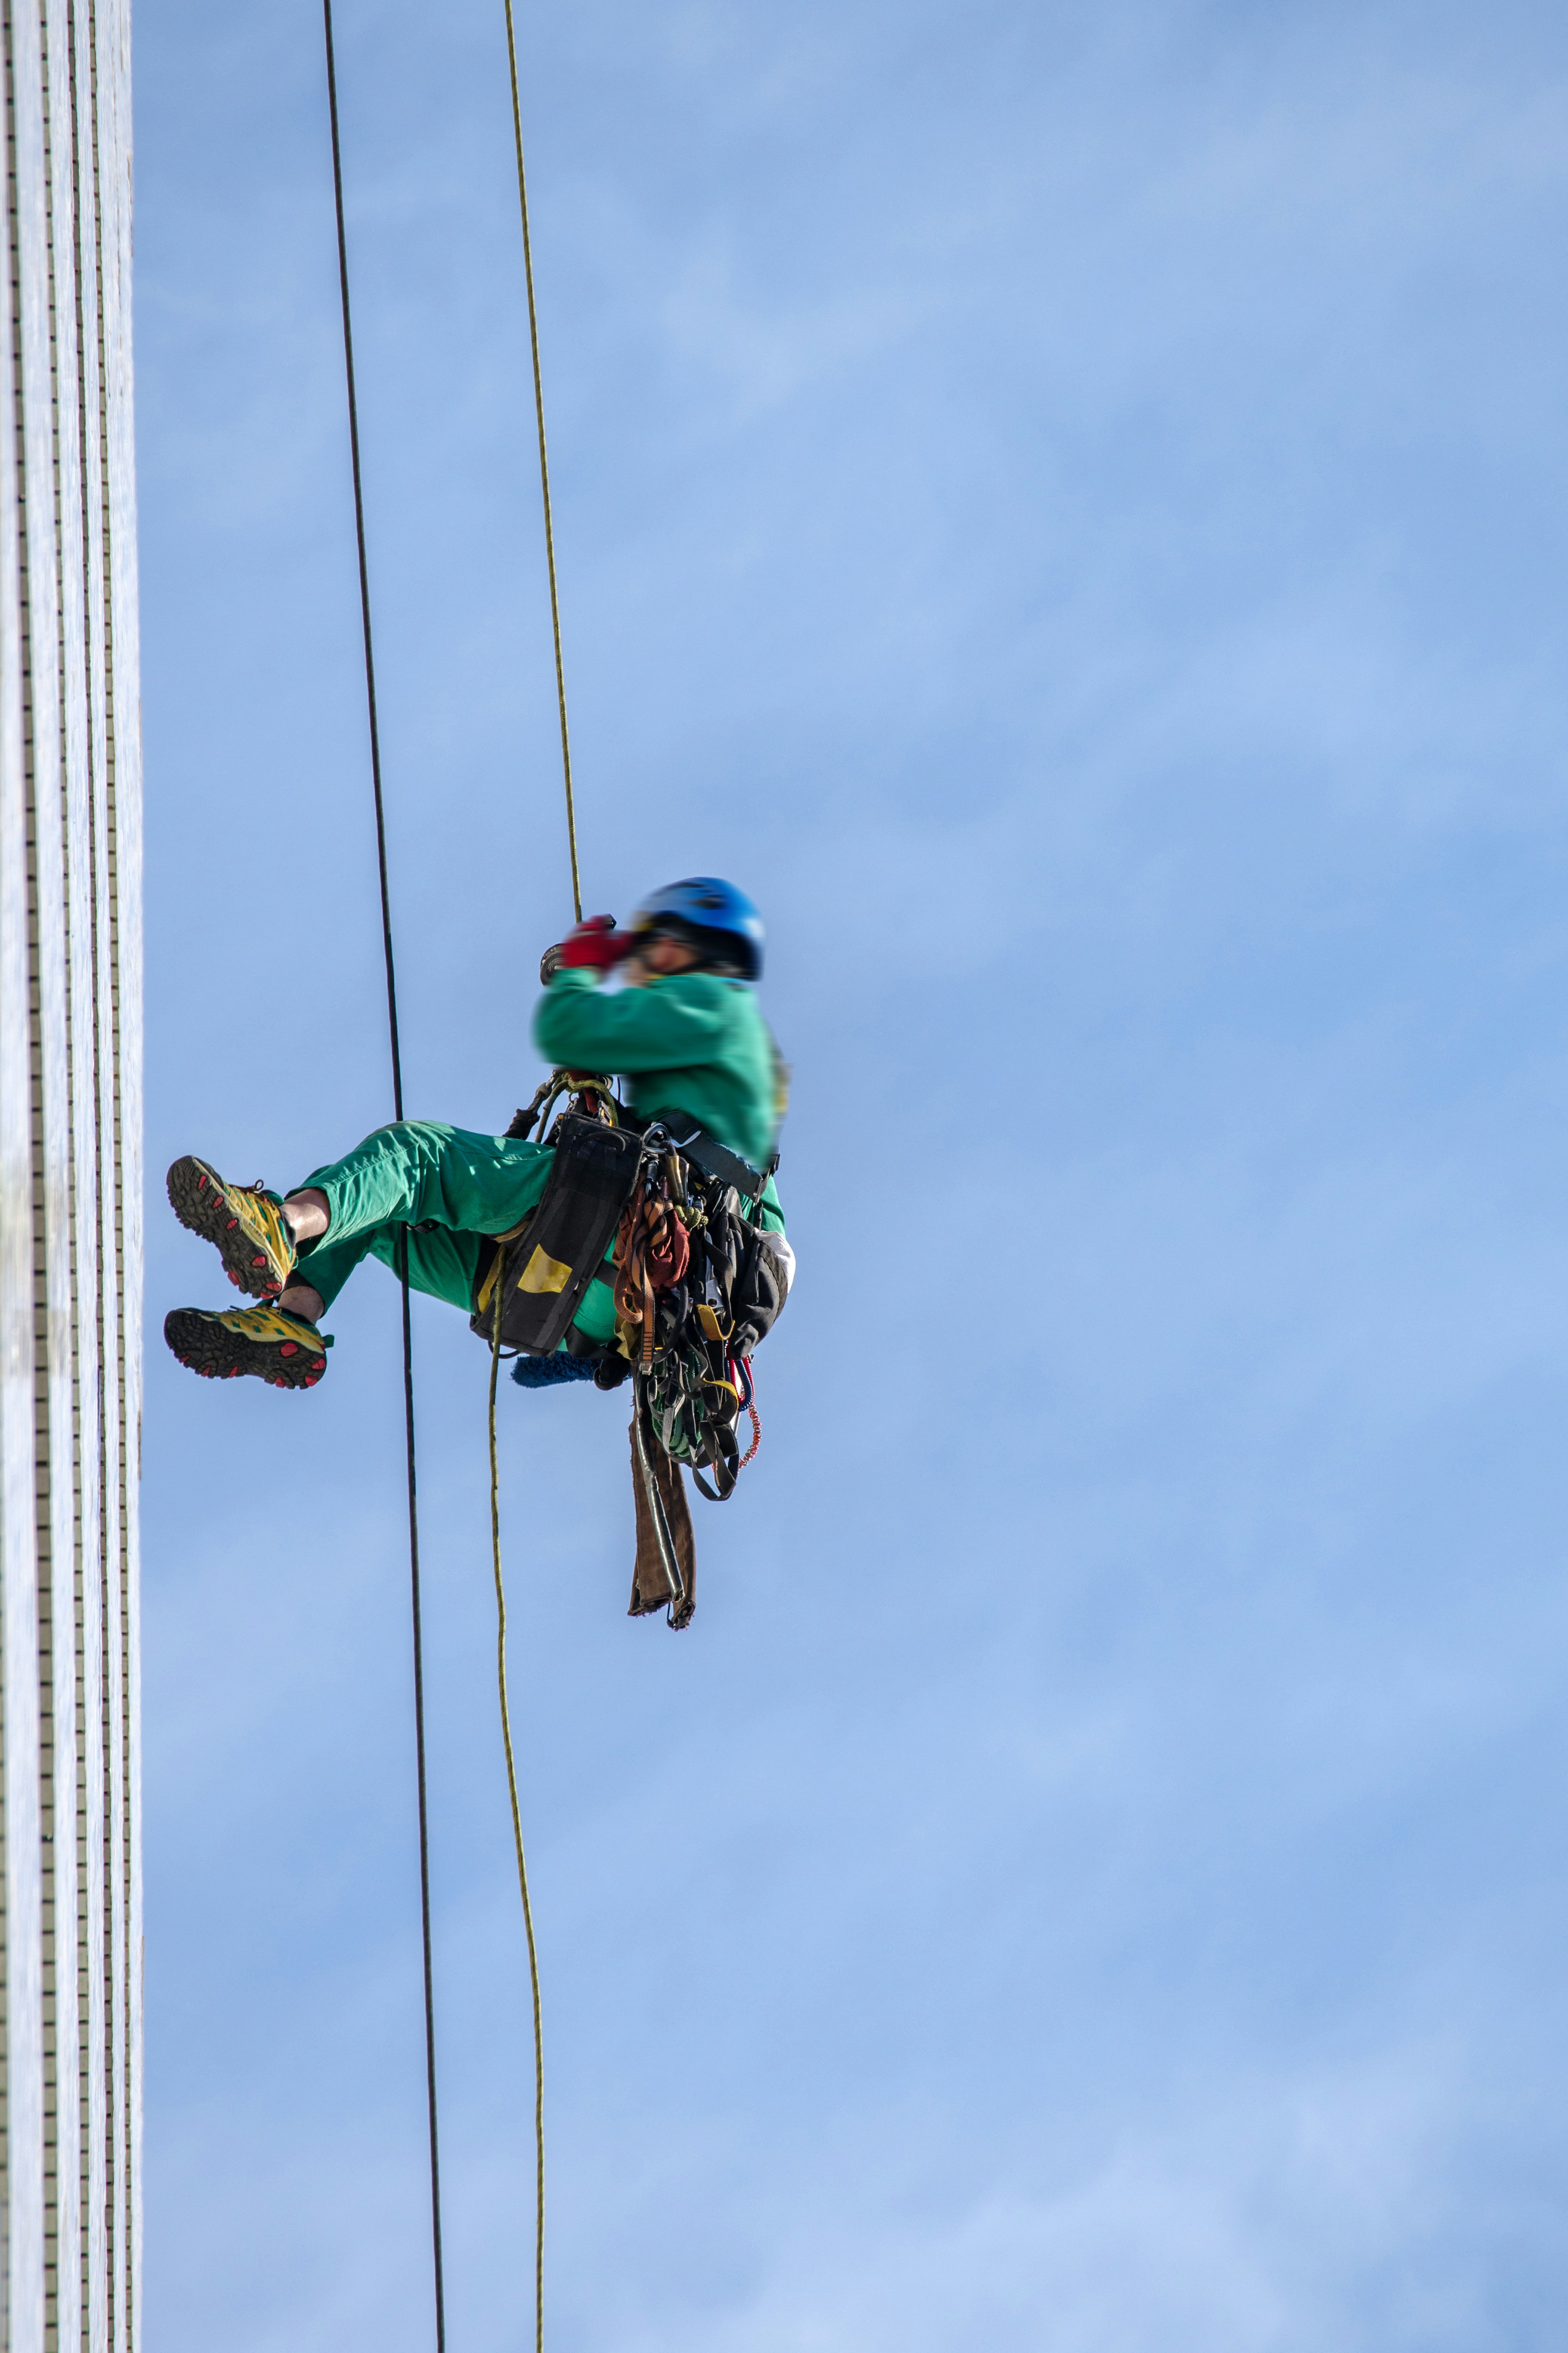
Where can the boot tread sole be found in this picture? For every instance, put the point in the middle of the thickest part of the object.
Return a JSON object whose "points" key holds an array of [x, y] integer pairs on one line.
{"points": [[217, 1352], [196, 1197]]}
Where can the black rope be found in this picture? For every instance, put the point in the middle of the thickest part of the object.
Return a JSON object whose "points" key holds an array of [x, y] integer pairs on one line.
{"points": [[402, 1237]]}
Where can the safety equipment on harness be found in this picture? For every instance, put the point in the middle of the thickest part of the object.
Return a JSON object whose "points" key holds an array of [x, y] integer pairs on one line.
{"points": [[653, 1252], [724, 921], [758, 1290], [698, 1285], [691, 1353]]}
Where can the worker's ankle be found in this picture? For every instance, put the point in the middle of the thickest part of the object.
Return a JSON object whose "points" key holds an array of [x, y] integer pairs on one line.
{"points": [[307, 1214], [300, 1300]]}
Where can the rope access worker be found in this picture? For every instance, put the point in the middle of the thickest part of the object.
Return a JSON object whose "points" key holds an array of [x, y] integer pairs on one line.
{"points": [[685, 1031]]}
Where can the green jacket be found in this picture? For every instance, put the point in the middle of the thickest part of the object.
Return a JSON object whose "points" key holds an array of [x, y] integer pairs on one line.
{"points": [[692, 1043]]}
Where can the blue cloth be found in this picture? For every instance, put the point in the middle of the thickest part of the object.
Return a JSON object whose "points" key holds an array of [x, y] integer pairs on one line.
{"points": [[549, 1372]]}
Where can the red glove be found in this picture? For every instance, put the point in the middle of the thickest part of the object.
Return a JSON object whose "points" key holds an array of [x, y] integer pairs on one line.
{"points": [[595, 945]]}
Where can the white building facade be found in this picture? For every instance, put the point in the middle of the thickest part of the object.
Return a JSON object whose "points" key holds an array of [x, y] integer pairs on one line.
{"points": [[71, 1184]]}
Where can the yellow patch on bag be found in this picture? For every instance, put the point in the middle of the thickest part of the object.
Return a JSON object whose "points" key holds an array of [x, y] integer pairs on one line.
{"points": [[543, 1272]]}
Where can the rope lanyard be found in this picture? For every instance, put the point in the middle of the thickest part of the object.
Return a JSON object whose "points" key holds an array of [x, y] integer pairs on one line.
{"points": [[495, 1354], [402, 1239], [544, 463], [522, 1858]]}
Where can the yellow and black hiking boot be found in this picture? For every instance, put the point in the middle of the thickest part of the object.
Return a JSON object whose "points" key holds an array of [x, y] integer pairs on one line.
{"points": [[243, 1222], [279, 1348]]}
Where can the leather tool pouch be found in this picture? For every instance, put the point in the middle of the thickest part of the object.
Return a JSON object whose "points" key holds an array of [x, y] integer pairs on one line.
{"points": [[542, 1273]]}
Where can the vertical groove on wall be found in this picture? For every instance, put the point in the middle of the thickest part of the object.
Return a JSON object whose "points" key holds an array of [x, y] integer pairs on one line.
{"points": [[25, 2217], [106, 2203], [35, 1078], [116, 1500], [97, 2236], [85, 1096], [10, 1566], [54, 1360], [35, 1040], [77, 1272]]}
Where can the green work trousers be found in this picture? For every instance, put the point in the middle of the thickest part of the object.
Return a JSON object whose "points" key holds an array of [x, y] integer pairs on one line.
{"points": [[446, 1189]]}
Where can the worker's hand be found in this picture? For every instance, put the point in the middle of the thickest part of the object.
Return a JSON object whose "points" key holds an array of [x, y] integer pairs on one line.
{"points": [[595, 945]]}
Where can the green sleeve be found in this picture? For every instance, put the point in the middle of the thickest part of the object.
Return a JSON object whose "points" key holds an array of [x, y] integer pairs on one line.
{"points": [[577, 1026]]}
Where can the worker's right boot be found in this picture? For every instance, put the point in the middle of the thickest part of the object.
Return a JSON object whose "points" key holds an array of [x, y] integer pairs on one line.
{"points": [[244, 1224], [281, 1349]]}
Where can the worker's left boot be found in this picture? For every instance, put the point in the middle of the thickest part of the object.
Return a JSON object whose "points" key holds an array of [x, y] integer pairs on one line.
{"points": [[282, 1349], [243, 1222]]}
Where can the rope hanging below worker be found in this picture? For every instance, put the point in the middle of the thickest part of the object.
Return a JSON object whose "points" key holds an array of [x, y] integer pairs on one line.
{"points": [[495, 1488], [403, 1254]]}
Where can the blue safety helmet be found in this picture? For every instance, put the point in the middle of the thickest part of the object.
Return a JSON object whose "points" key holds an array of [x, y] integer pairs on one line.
{"points": [[715, 916]]}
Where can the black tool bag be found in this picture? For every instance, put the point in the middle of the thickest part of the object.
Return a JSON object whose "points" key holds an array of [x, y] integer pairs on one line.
{"points": [[757, 1293], [742, 1286], [543, 1272]]}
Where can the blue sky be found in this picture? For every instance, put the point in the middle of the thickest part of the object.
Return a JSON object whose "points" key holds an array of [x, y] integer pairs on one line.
{"points": [[1065, 505]]}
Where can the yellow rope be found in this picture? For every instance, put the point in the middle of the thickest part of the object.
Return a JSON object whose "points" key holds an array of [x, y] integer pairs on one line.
{"points": [[543, 462], [495, 1352], [521, 1861]]}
